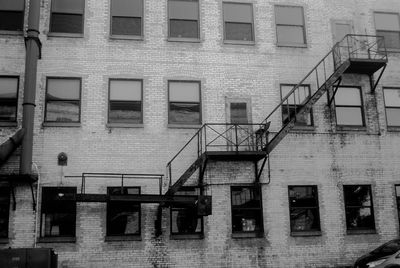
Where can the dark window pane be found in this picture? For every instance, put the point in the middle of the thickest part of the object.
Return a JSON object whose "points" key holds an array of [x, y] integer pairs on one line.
{"points": [[289, 111], [124, 219], [4, 211], [299, 96], [393, 116], [290, 34], [349, 116], [125, 112], [246, 220], [62, 111], [66, 23], [11, 20], [304, 219], [359, 218], [392, 39], [126, 26], [59, 224], [356, 195], [8, 110], [239, 31], [183, 28], [245, 197], [183, 10], [185, 221], [239, 113], [127, 8], [184, 113], [303, 196]]}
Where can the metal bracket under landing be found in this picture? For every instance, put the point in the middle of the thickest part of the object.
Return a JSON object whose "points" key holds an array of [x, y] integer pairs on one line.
{"points": [[331, 98], [371, 79]]}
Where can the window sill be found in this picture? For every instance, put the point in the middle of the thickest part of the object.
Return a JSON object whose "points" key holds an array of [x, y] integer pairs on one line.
{"points": [[306, 233], [127, 37], [186, 236], [124, 125], [18, 33], [184, 126], [8, 124], [184, 40], [71, 35], [392, 50], [350, 128], [247, 235], [291, 45], [393, 128], [4, 241], [61, 124], [57, 239], [239, 42], [116, 238], [357, 232]]}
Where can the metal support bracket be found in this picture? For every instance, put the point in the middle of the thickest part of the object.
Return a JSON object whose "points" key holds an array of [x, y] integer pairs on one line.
{"points": [[330, 99], [33, 198], [202, 171], [13, 196], [157, 222], [371, 80], [259, 172]]}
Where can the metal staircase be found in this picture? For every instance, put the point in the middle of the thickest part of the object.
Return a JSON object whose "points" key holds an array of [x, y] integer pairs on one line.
{"points": [[357, 54]]}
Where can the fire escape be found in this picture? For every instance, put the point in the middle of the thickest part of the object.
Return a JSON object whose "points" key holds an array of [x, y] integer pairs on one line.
{"points": [[354, 54]]}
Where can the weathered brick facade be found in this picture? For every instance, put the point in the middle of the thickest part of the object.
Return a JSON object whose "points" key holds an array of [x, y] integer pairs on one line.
{"points": [[325, 155]]}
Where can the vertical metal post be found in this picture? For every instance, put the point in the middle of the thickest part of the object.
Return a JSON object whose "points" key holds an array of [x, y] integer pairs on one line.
{"points": [[32, 55], [348, 45], [236, 138]]}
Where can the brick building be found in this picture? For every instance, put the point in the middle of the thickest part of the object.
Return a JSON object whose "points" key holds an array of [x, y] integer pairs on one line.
{"points": [[123, 85]]}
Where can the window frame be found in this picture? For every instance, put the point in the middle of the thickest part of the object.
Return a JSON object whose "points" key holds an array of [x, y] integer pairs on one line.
{"points": [[17, 32], [5, 201], [117, 124], [285, 44], [58, 238], [66, 34], [127, 36], [183, 39], [11, 122], [298, 126], [193, 235], [247, 234], [391, 127], [224, 21], [363, 125], [376, 29], [308, 232], [184, 125], [123, 237], [397, 196], [62, 123], [371, 207]]}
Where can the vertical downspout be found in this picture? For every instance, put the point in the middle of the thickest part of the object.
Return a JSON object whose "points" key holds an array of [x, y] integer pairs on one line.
{"points": [[33, 47]]}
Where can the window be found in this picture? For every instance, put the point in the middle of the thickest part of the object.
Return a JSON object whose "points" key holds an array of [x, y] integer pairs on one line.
{"points": [[4, 211], [58, 212], [125, 104], [358, 207], [12, 15], [123, 217], [290, 28], [294, 103], [238, 113], [63, 100], [127, 17], [67, 16], [304, 211], [184, 219], [183, 18], [398, 201], [246, 210], [238, 22], [348, 106], [184, 102], [392, 106], [8, 98], [388, 26]]}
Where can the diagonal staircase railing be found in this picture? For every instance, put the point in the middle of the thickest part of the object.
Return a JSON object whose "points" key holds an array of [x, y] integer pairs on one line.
{"points": [[294, 105]]}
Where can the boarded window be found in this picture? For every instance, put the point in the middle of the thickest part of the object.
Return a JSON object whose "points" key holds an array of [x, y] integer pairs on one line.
{"points": [[293, 104], [12, 15], [348, 106], [8, 98], [304, 210], [184, 102], [388, 26], [67, 16], [238, 22], [358, 207], [290, 28], [125, 104], [63, 100], [127, 17], [58, 214], [183, 18], [392, 106]]}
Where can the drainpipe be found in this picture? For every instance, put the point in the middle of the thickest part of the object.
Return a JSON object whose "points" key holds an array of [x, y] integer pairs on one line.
{"points": [[33, 48], [9, 146]]}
